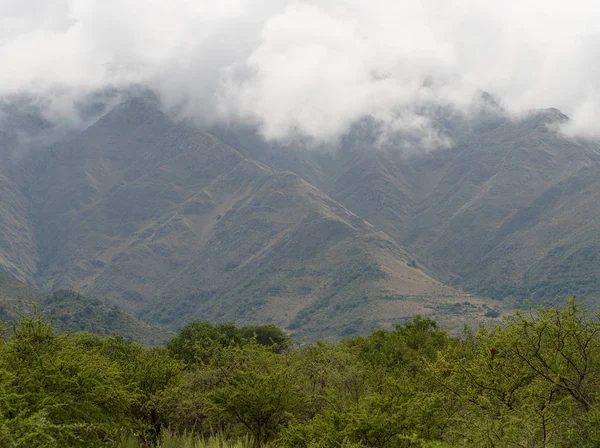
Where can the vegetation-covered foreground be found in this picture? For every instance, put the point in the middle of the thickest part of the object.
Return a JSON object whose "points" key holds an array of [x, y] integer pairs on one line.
{"points": [[532, 381]]}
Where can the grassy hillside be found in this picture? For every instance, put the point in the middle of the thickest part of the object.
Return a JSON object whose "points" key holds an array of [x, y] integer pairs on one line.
{"points": [[287, 254], [510, 211], [510, 201], [169, 222]]}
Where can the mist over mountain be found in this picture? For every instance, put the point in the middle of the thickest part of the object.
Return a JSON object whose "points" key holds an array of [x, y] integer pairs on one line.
{"points": [[293, 223], [173, 222], [500, 212], [329, 167], [300, 67]]}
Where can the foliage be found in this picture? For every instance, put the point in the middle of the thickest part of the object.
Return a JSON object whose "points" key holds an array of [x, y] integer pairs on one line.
{"points": [[169, 439], [55, 394], [198, 341], [259, 391], [531, 381], [71, 311]]}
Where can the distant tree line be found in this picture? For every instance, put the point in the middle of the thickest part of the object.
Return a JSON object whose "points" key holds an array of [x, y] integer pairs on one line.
{"points": [[531, 381]]}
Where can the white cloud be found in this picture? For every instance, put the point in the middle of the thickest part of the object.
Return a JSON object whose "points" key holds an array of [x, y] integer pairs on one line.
{"points": [[312, 67]]}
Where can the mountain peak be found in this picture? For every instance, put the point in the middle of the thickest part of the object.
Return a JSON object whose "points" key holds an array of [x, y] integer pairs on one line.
{"points": [[551, 115]]}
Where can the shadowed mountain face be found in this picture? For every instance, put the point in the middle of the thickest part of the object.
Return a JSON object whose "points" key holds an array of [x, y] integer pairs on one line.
{"points": [[18, 126], [173, 224], [498, 210]]}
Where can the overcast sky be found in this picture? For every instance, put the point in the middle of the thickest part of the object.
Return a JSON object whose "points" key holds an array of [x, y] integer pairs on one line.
{"points": [[311, 67]]}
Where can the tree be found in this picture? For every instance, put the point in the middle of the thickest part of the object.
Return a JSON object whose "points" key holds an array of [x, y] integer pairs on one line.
{"points": [[267, 335], [262, 392], [530, 381], [55, 394], [198, 341]]}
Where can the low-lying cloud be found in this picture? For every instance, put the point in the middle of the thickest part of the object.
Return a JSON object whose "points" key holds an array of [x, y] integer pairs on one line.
{"points": [[311, 67]]}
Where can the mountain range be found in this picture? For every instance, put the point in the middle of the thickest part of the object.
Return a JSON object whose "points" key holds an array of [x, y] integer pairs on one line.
{"points": [[173, 223]]}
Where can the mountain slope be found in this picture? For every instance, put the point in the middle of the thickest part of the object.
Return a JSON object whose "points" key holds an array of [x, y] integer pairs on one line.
{"points": [[169, 222], [19, 124], [17, 243], [484, 219], [550, 248], [509, 211], [289, 255]]}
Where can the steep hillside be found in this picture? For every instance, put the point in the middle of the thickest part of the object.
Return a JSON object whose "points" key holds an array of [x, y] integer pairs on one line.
{"points": [[549, 248], [496, 213], [287, 254], [509, 211], [381, 185], [18, 125], [18, 254], [169, 222], [72, 312], [176, 223]]}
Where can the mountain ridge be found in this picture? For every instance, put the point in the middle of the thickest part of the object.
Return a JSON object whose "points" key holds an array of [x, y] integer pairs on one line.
{"points": [[175, 223], [455, 209]]}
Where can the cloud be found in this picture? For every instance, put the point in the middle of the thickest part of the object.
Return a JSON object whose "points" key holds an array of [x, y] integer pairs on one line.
{"points": [[311, 67]]}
